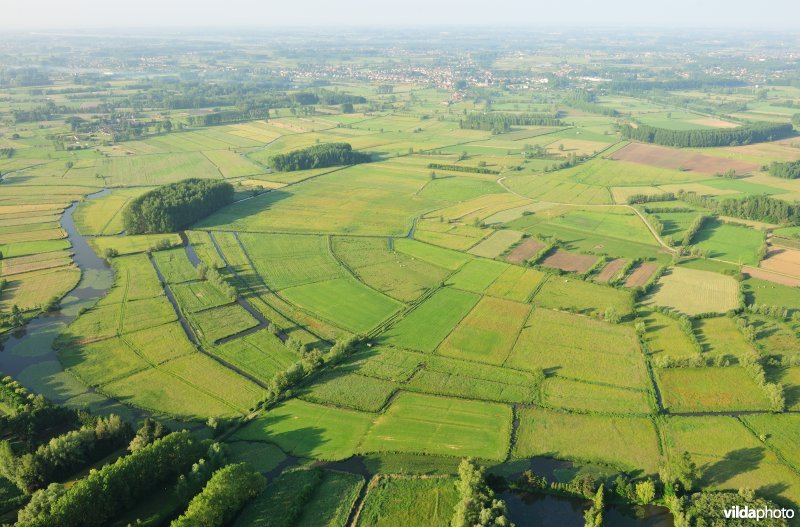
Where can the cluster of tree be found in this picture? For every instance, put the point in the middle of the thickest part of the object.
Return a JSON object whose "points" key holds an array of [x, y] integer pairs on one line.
{"points": [[788, 170], [462, 168], [192, 482], [583, 485], [743, 135], [571, 161], [38, 420], [147, 433], [24, 77], [593, 516], [758, 208], [228, 116], [14, 396], [63, 455], [212, 275], [172, 207], [116, 487], [223, 496], [318, 156], [45, 112], [7, 152], [704, 509], [335, 97], [477, 505], [587, 102], [498, 122]]}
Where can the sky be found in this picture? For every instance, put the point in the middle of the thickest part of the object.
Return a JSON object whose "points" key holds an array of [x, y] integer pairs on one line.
{"points": [[66, 14]]}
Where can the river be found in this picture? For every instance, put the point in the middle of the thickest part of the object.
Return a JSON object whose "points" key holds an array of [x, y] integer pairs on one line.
{"points": [[28, 354]]}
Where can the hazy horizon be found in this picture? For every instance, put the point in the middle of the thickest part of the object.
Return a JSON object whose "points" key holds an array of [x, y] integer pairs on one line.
{"points": [[251, 14]]}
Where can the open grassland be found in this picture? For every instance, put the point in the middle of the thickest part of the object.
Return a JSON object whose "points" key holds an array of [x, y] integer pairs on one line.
{"points": [[576, 347], [582, 297], [103, 216], [345, 302], [33, 289], [693, 291], [309, 430], [721, 337], [457, 236], [286, 261], [477, 275], [425, 327], [762, 292], [496, 244], [175, 265], [398, 502], [396, 274], [197, 296], [350, 390], [377, 199], [665, 337], [630, 443], [259, 354], [133, 244], [730, 456], [441, 425], [450, 260], [728, 241], [516, 283], [709, 390], [215, 324], [780, 431], [582, 396], [488, 332]]}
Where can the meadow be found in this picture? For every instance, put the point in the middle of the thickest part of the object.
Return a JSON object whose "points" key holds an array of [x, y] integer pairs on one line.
{"points": [[498, 281]]}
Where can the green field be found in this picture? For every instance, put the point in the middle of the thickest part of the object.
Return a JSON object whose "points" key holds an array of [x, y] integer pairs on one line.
{"points": [[627, 442], [709, 390], [440, 425], [397, 502], [694, 291], [425, 327]]}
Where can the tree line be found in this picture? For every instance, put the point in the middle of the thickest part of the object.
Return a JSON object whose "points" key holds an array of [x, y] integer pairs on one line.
{"points": [[463, 168], [115, 487], [229, 116], [499, 122], [788, 170], [587, 101], [318, 156], [175, 206], [743, 135], [758, 208]]}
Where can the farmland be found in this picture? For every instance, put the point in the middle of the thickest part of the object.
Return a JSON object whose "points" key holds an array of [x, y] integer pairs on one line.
{"points": [[553, 296]]}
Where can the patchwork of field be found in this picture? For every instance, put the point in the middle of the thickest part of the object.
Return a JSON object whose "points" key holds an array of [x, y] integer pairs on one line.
{"points": [[502, 314]]}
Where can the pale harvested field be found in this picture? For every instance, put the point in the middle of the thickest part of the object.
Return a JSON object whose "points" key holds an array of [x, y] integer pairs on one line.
{"points": [[693, 292]]}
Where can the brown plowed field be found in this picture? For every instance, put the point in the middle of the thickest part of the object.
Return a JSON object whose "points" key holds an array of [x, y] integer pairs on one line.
{"points": [[641, 275], [610, 270], [786, 261], [659, 156], [525, 251], [771, 277], [569, 262]]}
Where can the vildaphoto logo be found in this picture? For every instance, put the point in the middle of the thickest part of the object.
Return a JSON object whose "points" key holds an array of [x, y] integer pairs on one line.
{"points": [[762, 513]]}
